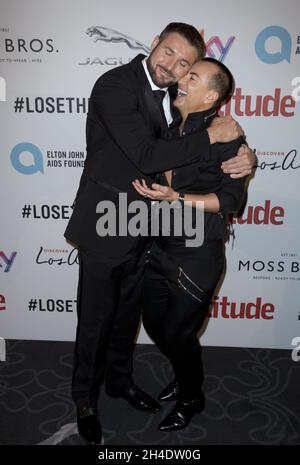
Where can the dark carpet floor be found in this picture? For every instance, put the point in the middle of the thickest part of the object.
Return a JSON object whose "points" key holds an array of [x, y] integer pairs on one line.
{"points": [[253, 397]]}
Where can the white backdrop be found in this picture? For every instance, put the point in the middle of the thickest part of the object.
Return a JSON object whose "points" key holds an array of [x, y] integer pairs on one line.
{"points": [[51, 53]]}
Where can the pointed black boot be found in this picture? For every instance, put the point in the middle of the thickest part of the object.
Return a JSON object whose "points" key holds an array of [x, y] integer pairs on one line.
{"points": [[182, 414], [170, 392], [136, 397]]}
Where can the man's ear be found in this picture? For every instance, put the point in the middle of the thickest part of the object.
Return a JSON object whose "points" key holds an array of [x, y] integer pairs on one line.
{"points": [[154, 42], [211, 96]]}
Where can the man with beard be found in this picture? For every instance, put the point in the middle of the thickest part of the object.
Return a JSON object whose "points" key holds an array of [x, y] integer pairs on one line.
{"points": [[129, 113]]}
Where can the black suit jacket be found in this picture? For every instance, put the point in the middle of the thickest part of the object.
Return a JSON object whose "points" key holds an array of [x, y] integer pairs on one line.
{"points": [[125, 141]]}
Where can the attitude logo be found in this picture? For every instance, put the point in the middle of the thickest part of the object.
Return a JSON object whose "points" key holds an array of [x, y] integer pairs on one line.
{"points": [[265, 214], [281, 52], [224, 308], [2, 302]]}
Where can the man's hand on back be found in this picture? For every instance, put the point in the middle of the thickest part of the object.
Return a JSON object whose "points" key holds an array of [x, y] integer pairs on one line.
{"points": [[242, 164], [224, 129]]}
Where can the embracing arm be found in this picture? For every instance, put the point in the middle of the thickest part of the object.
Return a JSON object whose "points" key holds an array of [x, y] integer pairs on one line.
{"points": [[227, 198], [115, 105]]}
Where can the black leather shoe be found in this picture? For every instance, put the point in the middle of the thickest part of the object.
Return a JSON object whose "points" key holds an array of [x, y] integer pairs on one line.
{"points": [[137, 398], [89, 427], [182, 414], [170, 392]]}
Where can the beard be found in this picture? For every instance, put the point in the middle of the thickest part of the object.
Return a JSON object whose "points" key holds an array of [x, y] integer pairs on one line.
{"points": [[160, 81]]}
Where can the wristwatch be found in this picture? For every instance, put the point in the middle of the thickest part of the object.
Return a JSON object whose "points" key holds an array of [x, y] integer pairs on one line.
{"points": [[179, 199], [181, 196]]}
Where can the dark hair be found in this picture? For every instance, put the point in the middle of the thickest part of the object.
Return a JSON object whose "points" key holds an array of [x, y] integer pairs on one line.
{"points": [[221, 81], [189, 33]]}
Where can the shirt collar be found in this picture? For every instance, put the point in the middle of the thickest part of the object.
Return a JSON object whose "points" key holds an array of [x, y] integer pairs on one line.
{"points": [[197, 120], [153, 86], [202, 115]]}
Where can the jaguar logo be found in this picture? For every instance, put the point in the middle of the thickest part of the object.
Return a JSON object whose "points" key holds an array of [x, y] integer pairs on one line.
{"points": [[110, 35]]}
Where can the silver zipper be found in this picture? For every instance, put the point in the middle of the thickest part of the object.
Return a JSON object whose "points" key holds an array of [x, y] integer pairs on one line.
{"points": [[209, 116], [192, 282], [189, 279]]}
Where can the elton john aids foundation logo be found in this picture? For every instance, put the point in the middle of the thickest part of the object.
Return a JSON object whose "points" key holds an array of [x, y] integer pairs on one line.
{"points": [[284, 48], [27, 158]]}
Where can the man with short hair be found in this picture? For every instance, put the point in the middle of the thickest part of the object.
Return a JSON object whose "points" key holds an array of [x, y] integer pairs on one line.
{"points": [[180, 280], [125, 140]]}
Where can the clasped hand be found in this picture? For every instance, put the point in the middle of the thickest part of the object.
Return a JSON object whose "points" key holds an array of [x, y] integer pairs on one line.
{"points": [[156, 192]]}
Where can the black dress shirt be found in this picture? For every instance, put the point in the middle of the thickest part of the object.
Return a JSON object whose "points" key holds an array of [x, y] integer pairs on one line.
{"points": [[206, 176]]}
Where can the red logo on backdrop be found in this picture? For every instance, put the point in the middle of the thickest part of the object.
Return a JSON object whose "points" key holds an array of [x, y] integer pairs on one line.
{"points": [[259, 105], [2, 302], [222, 308], [260, 214]]}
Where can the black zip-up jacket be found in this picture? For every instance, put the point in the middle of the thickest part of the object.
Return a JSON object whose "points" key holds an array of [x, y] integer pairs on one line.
{"points": [[206, 176]]}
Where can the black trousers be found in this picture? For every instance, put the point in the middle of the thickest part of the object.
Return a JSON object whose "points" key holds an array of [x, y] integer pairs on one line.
{"points": [[109, 310], [177, 289]]}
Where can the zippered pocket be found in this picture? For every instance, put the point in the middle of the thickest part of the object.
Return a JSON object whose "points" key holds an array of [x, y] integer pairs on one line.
{"points": [[189, 286]]}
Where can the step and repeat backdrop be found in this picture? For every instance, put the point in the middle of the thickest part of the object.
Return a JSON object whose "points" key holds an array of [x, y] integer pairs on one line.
{"points": [[51, 53]]}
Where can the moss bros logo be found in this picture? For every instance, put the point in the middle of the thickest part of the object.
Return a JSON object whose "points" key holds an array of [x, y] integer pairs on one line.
{"points": [[270, 266], [20, 45], [279, 53], [215, 47]]}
